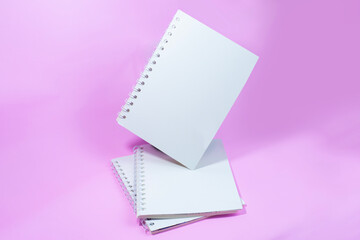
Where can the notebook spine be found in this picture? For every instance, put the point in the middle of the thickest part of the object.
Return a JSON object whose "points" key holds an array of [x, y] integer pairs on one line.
{"points": [[125, 184], [131, 196], [140, 186], [149, 69], [140, 178]]}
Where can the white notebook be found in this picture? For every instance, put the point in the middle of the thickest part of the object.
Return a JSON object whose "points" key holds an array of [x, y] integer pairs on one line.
{"points": [[187, 89], [166, 189], [124, 171]]}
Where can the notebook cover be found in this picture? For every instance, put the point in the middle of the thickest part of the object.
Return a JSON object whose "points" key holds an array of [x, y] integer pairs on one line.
{"points": [[187, 89], [167, 189]]}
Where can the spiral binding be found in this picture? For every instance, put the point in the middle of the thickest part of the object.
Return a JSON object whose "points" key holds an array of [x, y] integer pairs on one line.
{"points": [[124, 183], [140, 178], [140, 185], [146, 74]]}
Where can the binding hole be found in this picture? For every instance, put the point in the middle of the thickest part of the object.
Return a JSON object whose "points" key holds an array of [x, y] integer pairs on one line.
{"points": [[151, 224], [158, 55], [173, 26], [170, 33], [166, 41], [142, 83], [150, 69], [162, 48], [146, 76], [154, 62]]}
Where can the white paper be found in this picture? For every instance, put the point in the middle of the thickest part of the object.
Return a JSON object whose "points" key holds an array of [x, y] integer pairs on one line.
{"points": [[167, 189], [190, 90]]}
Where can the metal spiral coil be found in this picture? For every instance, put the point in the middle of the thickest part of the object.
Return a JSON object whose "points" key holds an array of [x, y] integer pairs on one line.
{"points": [[124, 183], [150, 67], [140, 178]]}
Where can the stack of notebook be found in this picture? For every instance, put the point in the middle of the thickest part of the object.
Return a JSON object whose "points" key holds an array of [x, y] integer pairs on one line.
{"points": [[178, 104]]}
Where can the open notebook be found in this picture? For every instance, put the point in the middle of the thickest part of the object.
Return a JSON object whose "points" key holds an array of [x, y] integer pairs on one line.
{"points": [[124, 171], [187, 89], [166, 189]]}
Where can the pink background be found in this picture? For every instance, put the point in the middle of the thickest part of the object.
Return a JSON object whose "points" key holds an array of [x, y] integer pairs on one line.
{"points": [[293, 136]]}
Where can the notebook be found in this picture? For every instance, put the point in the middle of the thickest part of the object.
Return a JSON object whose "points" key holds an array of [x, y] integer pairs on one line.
{"points": [[186, 89], [124, 171], [166, 189]]}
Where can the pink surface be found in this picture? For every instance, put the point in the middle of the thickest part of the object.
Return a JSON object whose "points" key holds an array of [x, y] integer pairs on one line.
{"points": [[293, 136]]}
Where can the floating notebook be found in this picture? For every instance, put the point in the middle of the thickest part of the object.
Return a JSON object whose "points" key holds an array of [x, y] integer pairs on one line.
{"points": [[187, 89], [124, 171], [166, 189]]}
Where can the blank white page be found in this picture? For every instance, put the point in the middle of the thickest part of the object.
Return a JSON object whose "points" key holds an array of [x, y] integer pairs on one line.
{"points": [[124, 167], [187, 89], [167, 189]]}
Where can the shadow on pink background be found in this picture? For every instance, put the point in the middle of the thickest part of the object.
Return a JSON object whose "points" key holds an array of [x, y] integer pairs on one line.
{"points": [[293, 136]]}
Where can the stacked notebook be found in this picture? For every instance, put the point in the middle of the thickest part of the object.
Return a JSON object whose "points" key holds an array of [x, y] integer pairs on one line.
{"points": [[178, 104]]}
